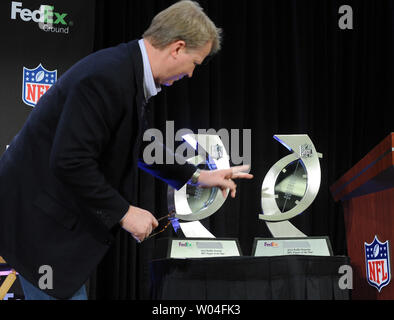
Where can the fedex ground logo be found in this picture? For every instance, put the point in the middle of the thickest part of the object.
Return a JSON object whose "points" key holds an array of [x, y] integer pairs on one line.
{"points": [[45, 16], [36, 82]]}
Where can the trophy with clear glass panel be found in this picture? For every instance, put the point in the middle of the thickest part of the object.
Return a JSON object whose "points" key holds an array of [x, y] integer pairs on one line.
{"points": [[193, 203], [289, 188]]}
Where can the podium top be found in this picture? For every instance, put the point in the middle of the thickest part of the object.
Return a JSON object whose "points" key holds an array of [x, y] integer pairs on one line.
{"points": [[373, 173]]}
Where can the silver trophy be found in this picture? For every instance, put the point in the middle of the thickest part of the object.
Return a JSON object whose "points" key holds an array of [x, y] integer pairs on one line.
{"points": [[289, 188], [193, 203]]}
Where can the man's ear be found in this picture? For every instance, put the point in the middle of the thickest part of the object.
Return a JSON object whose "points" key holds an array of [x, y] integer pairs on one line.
{"points": [[177, 47]]}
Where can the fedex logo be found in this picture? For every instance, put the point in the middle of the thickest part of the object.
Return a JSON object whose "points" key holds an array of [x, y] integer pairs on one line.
{"points": [[43, 15], [271, 244], [184, 244]]}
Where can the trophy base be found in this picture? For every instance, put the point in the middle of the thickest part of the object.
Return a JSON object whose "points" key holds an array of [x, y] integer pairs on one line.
{"points": [[196, 248], [308, 246]]}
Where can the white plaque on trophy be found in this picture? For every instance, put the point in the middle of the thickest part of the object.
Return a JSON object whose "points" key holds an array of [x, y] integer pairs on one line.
{"points": [[203, 248], [309, 246]]}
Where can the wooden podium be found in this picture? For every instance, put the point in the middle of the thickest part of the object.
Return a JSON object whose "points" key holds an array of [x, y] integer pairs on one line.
{"points": [[367, 195]]}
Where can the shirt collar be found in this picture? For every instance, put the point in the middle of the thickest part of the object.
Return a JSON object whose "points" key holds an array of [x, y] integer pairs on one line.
{"points": [[150, 88]]}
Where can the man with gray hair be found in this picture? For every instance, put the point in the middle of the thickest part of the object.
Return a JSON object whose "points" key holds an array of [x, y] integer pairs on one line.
{"points": [[182, 29], [68, 179]]}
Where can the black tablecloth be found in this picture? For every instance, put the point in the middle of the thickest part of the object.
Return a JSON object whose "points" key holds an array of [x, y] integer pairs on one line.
{"points": [[248, 278]]}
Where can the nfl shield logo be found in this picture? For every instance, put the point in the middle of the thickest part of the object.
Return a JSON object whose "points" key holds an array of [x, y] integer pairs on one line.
{"points": [[306, 151], [35, 83], [377, 263]]}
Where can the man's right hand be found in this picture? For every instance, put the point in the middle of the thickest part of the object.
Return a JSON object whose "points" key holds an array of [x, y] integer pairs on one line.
{"points": [[139, 222]]}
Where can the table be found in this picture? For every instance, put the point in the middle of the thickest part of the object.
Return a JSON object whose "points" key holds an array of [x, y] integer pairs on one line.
{"points": [[248, 278]]}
